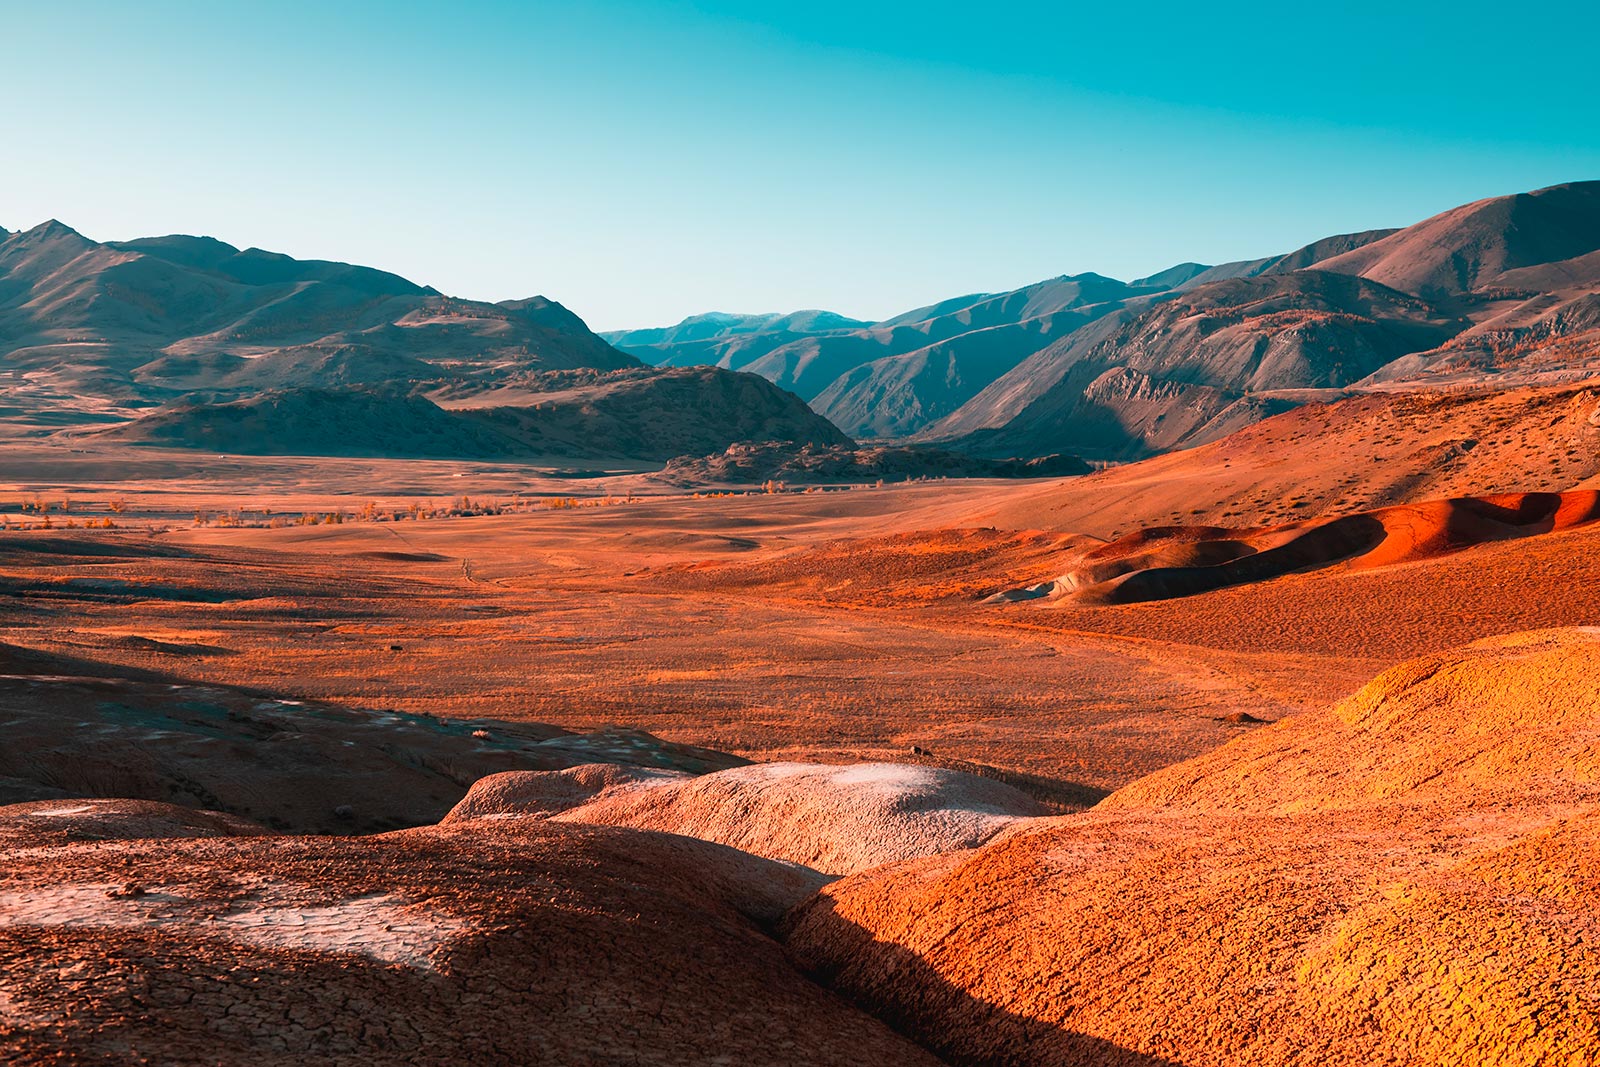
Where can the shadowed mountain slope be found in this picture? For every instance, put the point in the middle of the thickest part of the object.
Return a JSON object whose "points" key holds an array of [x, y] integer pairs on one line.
{"points": [[808, 366], [701, 338], [639, 413], [893, 377]]}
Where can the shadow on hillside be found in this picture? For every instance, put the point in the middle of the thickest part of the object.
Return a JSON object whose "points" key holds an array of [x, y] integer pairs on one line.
{"points": [[1056, 796], [899, 988]]}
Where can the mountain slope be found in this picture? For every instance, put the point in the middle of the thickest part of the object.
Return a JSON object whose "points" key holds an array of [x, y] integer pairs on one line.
{"points": [[1300, 258], [1194, 366], [896, 395], [642, 413], [897, 377], [318, 422], [894, 377], [809, 366], [639, 413], [698, 335], [1507, 289], [259, 353], [1318, 460], [79, 318], [1470, 247]]}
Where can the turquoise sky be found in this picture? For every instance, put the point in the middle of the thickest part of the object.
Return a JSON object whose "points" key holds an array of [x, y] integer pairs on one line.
{"points": [[640, 160]]}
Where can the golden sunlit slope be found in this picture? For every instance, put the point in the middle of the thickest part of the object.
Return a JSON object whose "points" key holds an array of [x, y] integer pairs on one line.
{"points": [[1410, 875], [1474, 246], [1330, 459]]}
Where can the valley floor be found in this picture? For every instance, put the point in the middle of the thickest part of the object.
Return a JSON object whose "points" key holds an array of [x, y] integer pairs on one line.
{"points": [[317, 651], [841, 625]]}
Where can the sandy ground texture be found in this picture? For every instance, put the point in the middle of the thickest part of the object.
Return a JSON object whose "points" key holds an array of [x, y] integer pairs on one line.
{"points": [[1274, 882], [494, 942], [1407, 876], [815, 627]]}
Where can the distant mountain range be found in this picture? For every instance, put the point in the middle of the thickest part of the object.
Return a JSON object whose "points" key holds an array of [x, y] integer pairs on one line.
{"points": [[136, 310], [889, 378], [1504, 290], [255, 352]]}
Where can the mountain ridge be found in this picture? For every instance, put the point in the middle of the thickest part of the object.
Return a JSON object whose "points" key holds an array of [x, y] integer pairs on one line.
{"points": [[1150, 379], [191, 342]]}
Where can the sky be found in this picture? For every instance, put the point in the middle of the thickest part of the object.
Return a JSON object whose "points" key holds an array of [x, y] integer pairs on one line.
{"points": [[643, 160]]}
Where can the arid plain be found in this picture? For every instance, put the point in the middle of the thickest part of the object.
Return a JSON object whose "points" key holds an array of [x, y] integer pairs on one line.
{"points": [[835, 624], [854, 625]]}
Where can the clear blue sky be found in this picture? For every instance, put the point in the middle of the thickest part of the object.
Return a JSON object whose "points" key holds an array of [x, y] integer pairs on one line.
{"points": [[640, 160]]}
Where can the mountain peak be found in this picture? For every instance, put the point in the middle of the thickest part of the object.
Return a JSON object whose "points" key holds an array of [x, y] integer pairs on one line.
{"points": [[53, 229]]}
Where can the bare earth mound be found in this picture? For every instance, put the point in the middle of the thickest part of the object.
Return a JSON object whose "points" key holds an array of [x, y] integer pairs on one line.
{"points": [[1391, 448], [59, 822], [493, 943], [293, 765], [1410, 875], [516, 793], [835, 819], [1166, 562]]}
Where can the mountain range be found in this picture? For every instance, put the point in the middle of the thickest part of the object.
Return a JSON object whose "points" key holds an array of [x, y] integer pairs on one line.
{"points": [[253, 351], [1497, 292], [248, 350]]}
